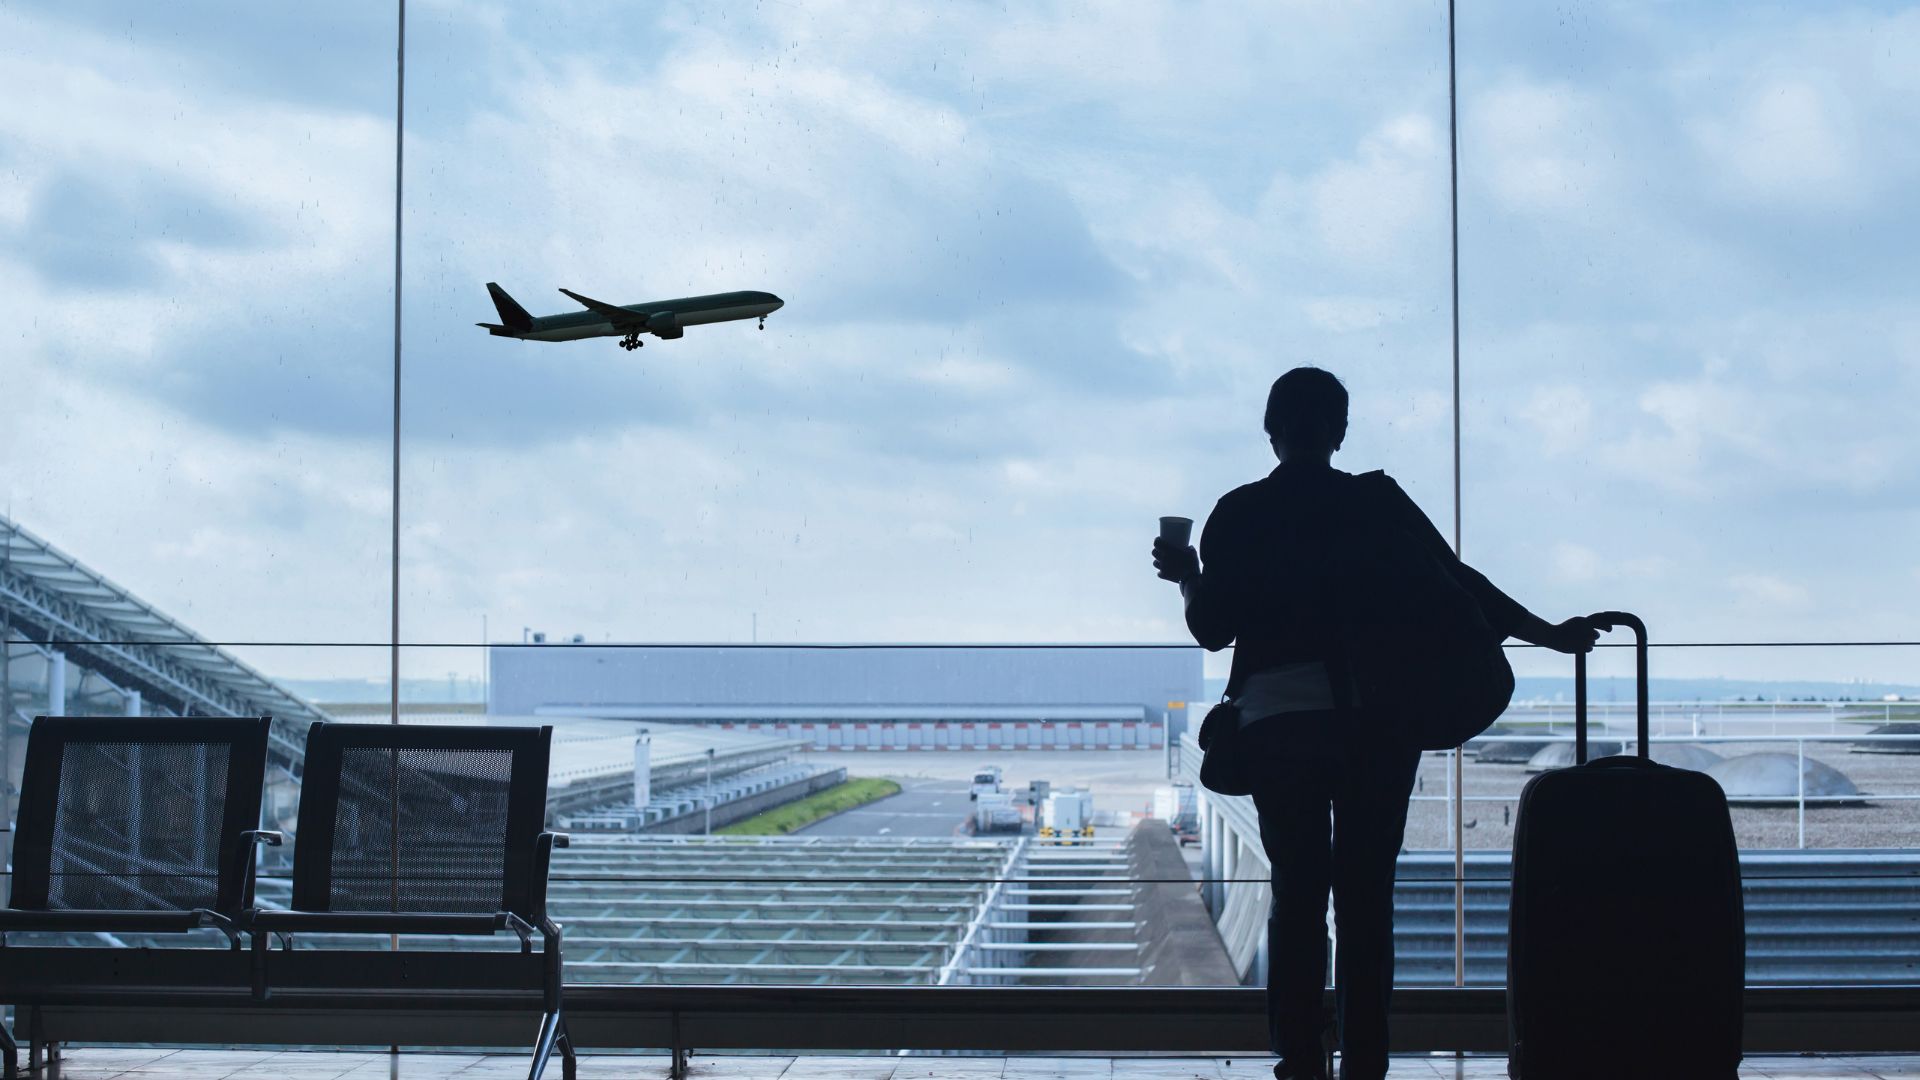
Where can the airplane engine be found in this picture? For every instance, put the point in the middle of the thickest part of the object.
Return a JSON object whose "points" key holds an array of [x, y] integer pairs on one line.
{"points": [[664, 324]]}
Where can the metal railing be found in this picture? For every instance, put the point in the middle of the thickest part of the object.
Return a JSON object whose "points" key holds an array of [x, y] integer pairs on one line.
{"points": [[1814, 915], [1800, 799]]}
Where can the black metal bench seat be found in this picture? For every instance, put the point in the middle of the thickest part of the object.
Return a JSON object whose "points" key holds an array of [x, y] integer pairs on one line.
{"points": [[148, 826], [423, 829], [127, 826]]}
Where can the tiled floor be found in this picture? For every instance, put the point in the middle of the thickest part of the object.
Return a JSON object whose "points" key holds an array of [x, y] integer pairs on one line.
{"points": [[114, 1064]]}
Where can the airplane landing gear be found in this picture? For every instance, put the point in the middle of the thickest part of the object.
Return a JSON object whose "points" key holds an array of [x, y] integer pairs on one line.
{"points": [[763, 322], [631, 341]]}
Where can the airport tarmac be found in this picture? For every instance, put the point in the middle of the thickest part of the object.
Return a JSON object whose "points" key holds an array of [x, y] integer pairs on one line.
{"points": [[1126, 779], [1120, 779], [923, 808]]}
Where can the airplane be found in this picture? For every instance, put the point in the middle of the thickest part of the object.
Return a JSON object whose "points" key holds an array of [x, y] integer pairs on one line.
{"points": [[661, 318]]}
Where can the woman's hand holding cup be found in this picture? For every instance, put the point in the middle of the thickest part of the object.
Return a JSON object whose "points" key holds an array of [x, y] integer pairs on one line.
{"points": [[1173, 557]]}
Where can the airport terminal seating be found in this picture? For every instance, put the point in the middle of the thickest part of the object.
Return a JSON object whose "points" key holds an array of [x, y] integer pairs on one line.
{"points": [[421, 830], [147, 826], [129, 826]]}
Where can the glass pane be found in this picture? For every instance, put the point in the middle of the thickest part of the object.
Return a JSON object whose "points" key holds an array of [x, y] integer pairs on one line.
{"points": [[1038, 272], [1820, 775], [1681, 293], [1677, 284], [195, 387], [163, 681]]}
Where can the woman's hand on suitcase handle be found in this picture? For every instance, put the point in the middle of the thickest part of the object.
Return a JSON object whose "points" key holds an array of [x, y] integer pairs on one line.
{"points": [[1575, 635]]}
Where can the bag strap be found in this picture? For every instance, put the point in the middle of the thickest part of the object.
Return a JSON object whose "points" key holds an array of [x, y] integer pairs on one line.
{"points": [[1351, 514]]}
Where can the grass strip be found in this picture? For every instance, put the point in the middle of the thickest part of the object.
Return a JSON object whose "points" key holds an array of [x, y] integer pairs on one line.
{"points": [[821, 804]]}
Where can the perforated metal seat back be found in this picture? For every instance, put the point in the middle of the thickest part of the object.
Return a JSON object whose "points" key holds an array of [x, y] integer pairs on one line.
{"points": [[137, 826], [137, 814], [422, 819]]}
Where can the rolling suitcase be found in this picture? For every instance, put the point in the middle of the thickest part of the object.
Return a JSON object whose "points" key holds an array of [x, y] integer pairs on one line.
{"points": [[1626, 945]]}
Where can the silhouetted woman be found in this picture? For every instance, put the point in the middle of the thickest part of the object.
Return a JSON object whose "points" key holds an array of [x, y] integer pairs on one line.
{"points": [[1333, 798]]}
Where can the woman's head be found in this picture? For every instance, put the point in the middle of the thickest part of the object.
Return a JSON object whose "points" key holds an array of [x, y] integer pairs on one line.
{"points": [[1306, 414]]}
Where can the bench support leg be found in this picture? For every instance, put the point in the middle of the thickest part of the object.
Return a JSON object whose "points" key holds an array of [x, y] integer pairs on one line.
{"points": [[569, 1064], [9, 1050], [677, 1068], [550, 1028]]}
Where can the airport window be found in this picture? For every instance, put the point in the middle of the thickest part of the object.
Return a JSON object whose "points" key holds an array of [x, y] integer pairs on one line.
{"points": [[1016, 277], [1670, 282], [833, 374]]}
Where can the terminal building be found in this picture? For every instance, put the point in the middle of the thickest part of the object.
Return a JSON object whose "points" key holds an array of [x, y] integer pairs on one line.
{"points": [[881, 697]]}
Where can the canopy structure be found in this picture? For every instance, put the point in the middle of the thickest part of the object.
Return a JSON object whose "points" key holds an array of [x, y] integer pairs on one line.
{"points": [[60, 615], [1780, 778], [833, 911]]}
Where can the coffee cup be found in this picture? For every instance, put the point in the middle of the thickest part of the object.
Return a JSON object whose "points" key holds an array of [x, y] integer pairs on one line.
{"points": [[1177, 531]]}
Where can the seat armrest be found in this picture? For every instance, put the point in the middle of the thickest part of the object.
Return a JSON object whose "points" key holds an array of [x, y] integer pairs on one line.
{"points": [[521, 929], [543, 846], [273, 920], [114, 922], [208, 918], [250, 841]]}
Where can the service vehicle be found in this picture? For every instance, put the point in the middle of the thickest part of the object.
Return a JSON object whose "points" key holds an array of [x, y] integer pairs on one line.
{"points": [[986, 779], [995, 812], [1067, 813], [1179, 807]]}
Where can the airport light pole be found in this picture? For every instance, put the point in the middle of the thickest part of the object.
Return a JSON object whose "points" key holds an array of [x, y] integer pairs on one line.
{"points": [[393, 674], [1457, 784], [709, 799], [6, 693]]}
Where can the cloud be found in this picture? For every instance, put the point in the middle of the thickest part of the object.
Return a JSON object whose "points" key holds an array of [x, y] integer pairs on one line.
{"points": [[1345, 314], [88, 231], [1018, 243], [1562, 416], [1737, 428], [1773, 594], [1789, 142], [1538, 147], [1579, 564], [1369, 210], [240, 542]]}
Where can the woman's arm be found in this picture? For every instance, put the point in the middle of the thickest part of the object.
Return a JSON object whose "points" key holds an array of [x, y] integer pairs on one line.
{"points": [[1575, 635], [1505, 614], [1209, 618], [1211, 594]]}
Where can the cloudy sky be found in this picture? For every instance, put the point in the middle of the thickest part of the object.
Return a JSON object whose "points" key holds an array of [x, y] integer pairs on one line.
{"points": [[1041, 261]]}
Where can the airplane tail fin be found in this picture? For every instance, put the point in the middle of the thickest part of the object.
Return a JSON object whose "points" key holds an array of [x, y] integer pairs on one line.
{"points": [[511, 313]]}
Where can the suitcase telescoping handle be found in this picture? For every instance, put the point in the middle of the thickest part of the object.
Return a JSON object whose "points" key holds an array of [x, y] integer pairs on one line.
{"points": [[1607, 620]]}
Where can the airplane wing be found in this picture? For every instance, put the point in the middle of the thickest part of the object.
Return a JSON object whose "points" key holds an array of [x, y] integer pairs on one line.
{"points": [[620, 316]]}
